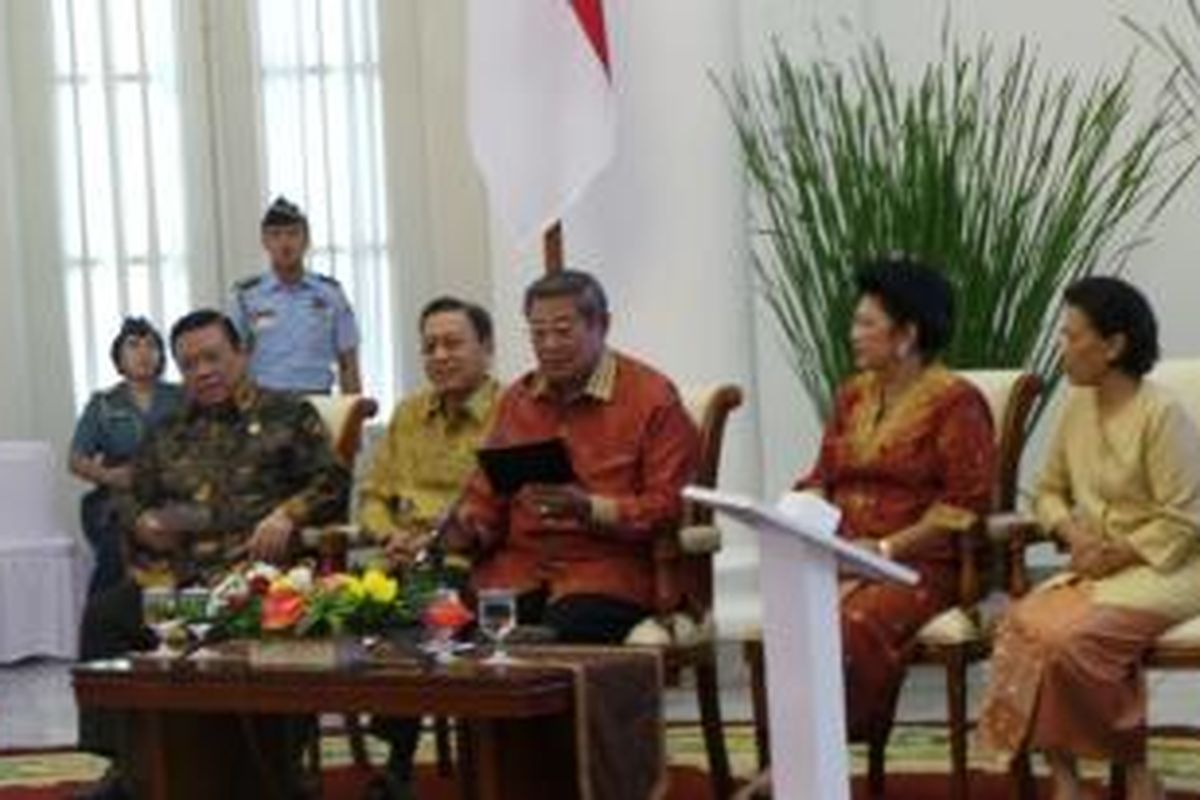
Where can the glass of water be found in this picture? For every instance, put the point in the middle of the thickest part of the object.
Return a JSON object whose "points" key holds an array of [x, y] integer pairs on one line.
{"points": [[497, 619], [159, 610], [193, 608]]}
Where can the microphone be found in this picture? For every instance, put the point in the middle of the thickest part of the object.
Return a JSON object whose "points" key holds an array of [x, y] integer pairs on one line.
{"points": [[433, 554]]}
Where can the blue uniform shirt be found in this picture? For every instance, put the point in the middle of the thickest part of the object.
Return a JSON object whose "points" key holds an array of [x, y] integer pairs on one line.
{"points": [[295, 331]]}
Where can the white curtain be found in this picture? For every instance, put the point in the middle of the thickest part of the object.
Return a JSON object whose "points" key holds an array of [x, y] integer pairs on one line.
{"points": [[121, 191], [322, 136]]}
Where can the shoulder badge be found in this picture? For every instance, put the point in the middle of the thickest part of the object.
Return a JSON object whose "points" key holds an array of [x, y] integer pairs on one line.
{"points": [[247, 283]]}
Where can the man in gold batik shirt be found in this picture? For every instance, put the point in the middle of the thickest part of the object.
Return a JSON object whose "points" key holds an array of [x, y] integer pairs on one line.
{"points": [[418, 471]]}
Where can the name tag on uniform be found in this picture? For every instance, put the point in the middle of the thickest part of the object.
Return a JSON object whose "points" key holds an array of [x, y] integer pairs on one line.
{"points": [[263, 318]]}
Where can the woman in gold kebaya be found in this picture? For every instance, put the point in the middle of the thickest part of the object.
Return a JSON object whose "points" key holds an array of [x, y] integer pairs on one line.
{"points": [[1121, 490]]}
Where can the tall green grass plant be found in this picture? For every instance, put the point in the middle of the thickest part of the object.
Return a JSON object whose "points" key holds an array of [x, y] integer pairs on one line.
{"points": [[1012, 179]]}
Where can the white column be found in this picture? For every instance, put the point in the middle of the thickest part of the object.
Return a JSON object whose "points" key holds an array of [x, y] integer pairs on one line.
{"points": [[15, 401], [47, 377]]}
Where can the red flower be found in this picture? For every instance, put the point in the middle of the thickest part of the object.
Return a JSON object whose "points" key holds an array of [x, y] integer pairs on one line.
{"points": [[281, 609], [259, 585]]}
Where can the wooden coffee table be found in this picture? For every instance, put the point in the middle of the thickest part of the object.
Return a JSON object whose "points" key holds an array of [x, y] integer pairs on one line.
{"points": [[190, 718]]}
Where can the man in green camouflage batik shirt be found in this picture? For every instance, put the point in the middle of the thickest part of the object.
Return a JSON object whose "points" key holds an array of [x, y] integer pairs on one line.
{"points": [[218, 485], [234, 475]]}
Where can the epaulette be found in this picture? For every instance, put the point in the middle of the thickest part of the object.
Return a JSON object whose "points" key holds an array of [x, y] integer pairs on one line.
{"points": [[332, 281], [247, 283]]}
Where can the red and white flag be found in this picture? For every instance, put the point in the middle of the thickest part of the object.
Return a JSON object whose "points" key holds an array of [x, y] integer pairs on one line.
{"points": [[541, 105]]}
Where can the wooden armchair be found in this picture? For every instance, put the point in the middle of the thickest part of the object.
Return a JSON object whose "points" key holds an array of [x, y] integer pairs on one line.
{"points": [[344, 416], [956, 638], [1178, 648], [683, 623]]}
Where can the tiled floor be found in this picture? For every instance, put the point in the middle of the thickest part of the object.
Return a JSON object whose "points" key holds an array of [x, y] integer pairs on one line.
{"points": [[37, 708]]}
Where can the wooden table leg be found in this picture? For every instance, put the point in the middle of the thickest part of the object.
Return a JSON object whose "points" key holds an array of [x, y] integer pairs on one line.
{"points": [[467, 770], [514, 759]]}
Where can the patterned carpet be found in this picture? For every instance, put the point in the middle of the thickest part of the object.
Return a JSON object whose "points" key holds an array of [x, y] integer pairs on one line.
{"points": [[913, 750]]}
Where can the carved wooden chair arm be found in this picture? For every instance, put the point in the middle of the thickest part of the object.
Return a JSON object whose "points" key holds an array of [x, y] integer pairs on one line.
{"points": [[1014, 533]]}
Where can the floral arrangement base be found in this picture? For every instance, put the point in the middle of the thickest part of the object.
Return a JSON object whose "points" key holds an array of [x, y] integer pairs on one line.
{"points": [[320, 653]]}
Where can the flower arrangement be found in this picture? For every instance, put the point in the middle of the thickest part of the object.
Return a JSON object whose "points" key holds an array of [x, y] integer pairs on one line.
{"points": [[260, 599]]}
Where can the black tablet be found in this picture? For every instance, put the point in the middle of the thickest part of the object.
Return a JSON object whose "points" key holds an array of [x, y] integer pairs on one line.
{"points": [[510, 467]]}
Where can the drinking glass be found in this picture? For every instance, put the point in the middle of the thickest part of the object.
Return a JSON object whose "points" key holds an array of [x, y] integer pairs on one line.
{"points": [[444, 615], [193, 609], [497, 619], [159, 610]]}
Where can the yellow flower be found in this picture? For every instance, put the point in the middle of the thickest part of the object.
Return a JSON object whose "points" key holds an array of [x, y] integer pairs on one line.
{"points": [[282, 584], [379, 587], [354, 587]]}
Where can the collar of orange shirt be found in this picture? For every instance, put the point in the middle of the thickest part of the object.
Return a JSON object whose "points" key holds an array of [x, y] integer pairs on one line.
{"points": [[600, 384]]}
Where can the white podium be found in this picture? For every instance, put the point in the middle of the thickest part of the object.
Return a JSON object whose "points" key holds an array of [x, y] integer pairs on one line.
{"points": [[802, 640]]}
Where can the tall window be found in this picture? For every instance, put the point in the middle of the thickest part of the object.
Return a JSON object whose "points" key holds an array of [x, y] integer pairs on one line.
{"points": [[322, 141], [120, 173], [123, 177]]}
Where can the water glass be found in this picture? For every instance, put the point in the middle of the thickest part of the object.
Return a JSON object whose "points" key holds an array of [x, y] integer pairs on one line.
{"points": [[193, 609], [160, 610], [497, 619]]}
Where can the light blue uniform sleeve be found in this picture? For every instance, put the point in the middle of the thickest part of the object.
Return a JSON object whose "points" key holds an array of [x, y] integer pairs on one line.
{"points": [[345, 327]]}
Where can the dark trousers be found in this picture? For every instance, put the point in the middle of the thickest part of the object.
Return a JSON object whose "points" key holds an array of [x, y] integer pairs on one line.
{"points": [[581, 618], [113, 626], [101, 528], [575, 619]]}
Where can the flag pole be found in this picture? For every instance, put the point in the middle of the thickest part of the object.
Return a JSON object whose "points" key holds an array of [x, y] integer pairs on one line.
{"points": [[552, 248]]}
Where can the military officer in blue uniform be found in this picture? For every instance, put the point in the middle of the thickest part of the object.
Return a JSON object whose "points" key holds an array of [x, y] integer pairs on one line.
{"points": [[298, 323]]}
